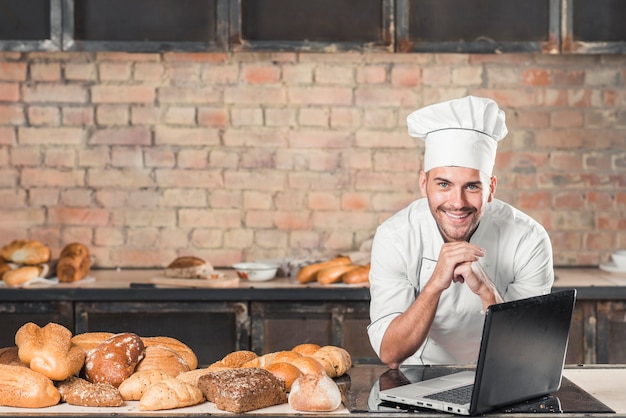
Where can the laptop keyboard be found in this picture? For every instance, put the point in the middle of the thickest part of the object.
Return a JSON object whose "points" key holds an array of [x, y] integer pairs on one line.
{"points": [[460, 395]]}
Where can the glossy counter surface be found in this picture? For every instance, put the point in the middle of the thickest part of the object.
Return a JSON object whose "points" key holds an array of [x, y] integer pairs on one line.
{"points": [[586, 391], [130, 284]]}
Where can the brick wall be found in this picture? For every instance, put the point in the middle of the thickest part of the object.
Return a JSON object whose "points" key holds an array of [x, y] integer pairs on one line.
{"points": [[240, 156]]}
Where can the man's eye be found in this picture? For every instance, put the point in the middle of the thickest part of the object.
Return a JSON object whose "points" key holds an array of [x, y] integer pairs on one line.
{"points": [[443, 184], [473, 187]]}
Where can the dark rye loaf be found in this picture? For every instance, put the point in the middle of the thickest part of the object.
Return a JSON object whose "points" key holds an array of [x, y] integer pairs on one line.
{"points": [[242, 390]]}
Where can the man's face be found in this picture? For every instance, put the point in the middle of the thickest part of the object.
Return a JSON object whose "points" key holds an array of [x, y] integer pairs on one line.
{"points": [[457, 198]]}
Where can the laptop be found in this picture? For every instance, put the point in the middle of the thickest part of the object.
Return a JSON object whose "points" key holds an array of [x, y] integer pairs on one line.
{"points": [[522, 353]]}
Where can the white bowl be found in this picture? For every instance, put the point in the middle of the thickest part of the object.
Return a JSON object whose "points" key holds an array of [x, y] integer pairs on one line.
{"points": [[256, 272], [619, 258]]}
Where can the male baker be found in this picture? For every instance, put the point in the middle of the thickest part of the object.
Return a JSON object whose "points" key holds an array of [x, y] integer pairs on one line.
{"points": [[437, 264]]}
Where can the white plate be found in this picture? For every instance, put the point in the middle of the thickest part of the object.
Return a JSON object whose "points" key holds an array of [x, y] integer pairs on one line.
{"points": [[612, 268]]}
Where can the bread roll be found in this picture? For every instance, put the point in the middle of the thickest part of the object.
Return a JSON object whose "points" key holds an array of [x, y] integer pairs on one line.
{"points": [[189, 267], [181, 348], [9, 356], [25, 388], [133, 388], [115, 359], [192, 376], [308, 273], [17, 277], [28, 252], [284, 371], [74, 263], [314, 393], [308, 365], [357, 276], [77, 391], [238, 358], [160, 357], [4, 267], [333, 274], [88, 340], [169, 394], [219, 365], [260, 361], [306, 349], [336, 360], [49, 350]]}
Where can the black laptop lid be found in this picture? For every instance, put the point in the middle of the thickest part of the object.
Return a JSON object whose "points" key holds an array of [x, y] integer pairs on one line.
{"points": [[522, 350]]}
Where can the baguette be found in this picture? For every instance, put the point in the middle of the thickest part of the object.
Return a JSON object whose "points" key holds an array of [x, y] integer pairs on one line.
{"points": [[308, 273], [333, 274], [357, 276]]}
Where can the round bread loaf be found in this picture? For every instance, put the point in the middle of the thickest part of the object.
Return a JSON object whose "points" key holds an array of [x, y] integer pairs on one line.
{"points": [[115, 359], [284, 371], [29, 252], [9, 356], [285, 356], [238, 358], [306, 349], [181, 348], [49, 350], [314, 393], [160, 357], [189, 267]]}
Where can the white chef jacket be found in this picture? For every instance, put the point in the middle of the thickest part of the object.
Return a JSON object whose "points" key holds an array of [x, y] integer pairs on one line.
{"points": [[405, 251]]}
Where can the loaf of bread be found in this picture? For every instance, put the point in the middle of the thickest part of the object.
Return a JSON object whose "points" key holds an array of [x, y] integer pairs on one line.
{"points": [[115, 359], [238, 358], [181, 348], [308, 273], [160, 357], [336, 360], [49, 350], [308, 365], [359, 275], [169, 394], [77, 391], [314, 393], [28, 252], [306, 349], [25, 388], [332, 274], [288, 373], [133, 388], [74, 263], [9, 356], [189, 267], [243, 389], [17, 277], [88, 340], [4, 267]]}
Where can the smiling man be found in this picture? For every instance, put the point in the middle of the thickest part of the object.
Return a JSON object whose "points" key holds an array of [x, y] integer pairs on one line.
{"points": [[440, 262]]}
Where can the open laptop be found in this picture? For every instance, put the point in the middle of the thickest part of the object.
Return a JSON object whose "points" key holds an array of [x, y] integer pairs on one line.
{"points": [[521, 357]]}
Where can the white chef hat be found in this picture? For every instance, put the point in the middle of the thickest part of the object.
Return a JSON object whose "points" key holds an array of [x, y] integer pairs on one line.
{"points": [[462, 132]]}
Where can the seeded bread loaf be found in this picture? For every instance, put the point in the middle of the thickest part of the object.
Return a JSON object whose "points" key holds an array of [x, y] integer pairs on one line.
{"points": [[77, 391], [243, 390]]}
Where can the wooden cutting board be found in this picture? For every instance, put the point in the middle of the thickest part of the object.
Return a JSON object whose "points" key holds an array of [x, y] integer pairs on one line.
{"points": [[226, 281]]}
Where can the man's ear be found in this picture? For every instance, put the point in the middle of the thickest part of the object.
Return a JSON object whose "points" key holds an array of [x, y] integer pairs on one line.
{"points": [[423, 180], [492, 188]]}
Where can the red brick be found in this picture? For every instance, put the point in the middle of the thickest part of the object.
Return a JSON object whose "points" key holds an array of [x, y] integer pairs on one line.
{"points": [[63, 136], [11, 114], [122, 94], [217, 117], [377, 96], [260, 74], [124, 179], [599, 240], [355, 202], [55, 93], [188, 95], [217, 218], [121, 136], [78, 216], [290, 220], [7, 136], [536, 77], [49, 71], [371, 74], [140, 257], [21, 218], [13, 71], [210, 179], [568, 78], [186, 136], [9, 92], [320, 140], [44, 115], [320, 95], [77, 116], [534, 200]]}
